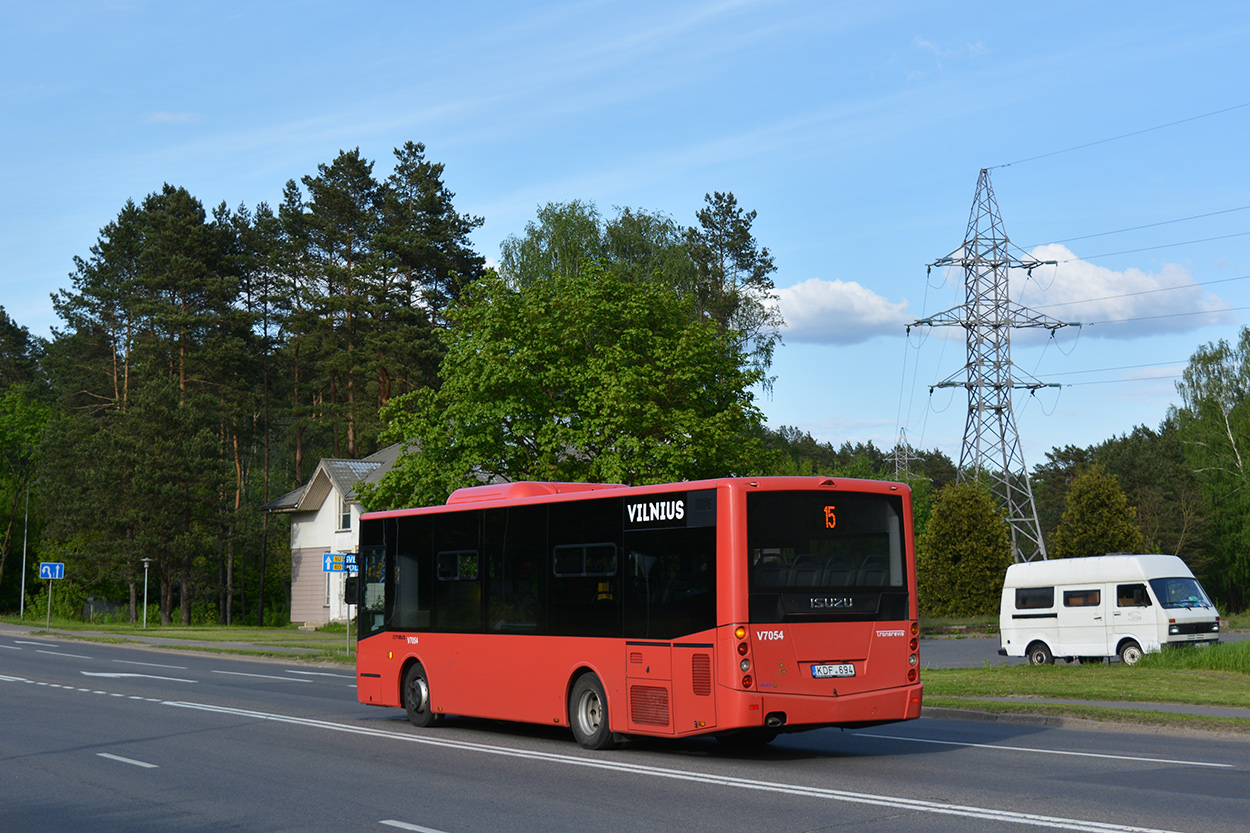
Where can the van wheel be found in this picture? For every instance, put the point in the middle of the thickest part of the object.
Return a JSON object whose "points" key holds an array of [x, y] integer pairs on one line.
{"points": [[417, 698], [1039, 654], [588, 713], [1130, 653]]}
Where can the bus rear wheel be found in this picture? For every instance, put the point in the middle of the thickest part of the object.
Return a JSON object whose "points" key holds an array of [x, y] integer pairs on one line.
{"points": [[417, 697], [588, 713]]}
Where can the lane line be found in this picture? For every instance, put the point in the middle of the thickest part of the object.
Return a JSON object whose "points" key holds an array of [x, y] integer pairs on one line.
{"points": [[872, 799], [24, 642], [59, 654], [263, 676], [11, 647], [403, 825], [117, 675], [131, 761], [1045, 751], [151, 664], [321, 674]]}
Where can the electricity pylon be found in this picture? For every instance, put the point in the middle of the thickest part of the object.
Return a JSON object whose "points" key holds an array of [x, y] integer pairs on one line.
{"points": [[991, 444]]}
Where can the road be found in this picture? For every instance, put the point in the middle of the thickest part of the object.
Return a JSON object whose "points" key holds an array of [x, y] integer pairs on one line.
{"points": [[105, 738]]}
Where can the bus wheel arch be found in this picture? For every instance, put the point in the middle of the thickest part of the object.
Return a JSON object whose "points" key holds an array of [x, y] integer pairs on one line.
{"points": [[1130, 652], [588, 712], [414, 695], [1039, 654]]}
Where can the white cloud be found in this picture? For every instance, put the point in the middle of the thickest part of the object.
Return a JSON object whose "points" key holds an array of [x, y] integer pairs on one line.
{"points": [[1117, 305], [838, 312]]}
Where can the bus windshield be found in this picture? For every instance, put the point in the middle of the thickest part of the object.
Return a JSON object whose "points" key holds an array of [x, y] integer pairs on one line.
{"points": [[817, 555]]}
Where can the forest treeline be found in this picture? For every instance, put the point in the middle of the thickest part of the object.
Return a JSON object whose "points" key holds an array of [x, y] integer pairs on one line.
{"points": [[205, 360]]}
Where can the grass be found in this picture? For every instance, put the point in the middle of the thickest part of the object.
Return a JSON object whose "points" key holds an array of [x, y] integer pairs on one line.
{"points": [[330, 643], [1214, 676]]}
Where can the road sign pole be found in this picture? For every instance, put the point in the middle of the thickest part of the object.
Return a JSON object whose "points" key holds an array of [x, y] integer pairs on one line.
{"points": [[49, 626]]}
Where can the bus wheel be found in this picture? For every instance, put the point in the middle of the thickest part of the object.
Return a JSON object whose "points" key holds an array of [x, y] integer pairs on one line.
{"points": [[588, 713], [417, 697], [1039, 654], [1130, 652]]}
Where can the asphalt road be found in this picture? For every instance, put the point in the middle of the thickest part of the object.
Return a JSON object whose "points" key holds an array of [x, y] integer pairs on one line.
{"points": [[104, 738]]}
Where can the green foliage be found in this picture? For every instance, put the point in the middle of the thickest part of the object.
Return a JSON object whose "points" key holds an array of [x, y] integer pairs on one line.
{"points": [[1214, 427], [1098, 519], [963, 553], [585, 378]]}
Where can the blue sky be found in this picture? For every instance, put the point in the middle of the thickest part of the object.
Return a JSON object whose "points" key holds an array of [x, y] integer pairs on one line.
{"points": [[855, 130]]}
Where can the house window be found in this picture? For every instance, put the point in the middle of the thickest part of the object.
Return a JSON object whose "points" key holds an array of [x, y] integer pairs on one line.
{"points": [[345, 513]]}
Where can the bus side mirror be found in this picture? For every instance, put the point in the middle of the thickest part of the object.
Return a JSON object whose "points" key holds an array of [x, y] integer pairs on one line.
{"points": [[351, 590]]}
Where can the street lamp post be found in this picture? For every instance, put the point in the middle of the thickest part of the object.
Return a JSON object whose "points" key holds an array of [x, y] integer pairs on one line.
{"points": [[146, 562]]}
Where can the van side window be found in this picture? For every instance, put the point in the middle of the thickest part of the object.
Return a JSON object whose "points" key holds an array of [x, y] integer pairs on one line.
{"points": [[1082, 598], [1131, 595], [1034, 597]]}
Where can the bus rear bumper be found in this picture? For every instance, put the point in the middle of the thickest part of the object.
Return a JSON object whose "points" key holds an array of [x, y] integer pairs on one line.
{"points": [[800, 711]]}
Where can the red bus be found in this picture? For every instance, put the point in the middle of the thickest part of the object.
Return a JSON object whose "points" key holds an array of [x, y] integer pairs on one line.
{"points": [[736, 607]]}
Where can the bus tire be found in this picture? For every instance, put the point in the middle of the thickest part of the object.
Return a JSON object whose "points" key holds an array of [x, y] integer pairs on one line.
{"points": [[1130, 652], [1039, 654], [417, 697], [588, 713]]}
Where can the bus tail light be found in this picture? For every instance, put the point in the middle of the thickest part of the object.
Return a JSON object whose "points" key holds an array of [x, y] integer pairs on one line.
{"points": [[911, 675], [742, 649], [746, 681], [745, 665], [740, 632]]}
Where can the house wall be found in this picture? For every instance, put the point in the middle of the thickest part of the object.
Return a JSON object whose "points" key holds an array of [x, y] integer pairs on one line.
{"points": [[313, 534]]}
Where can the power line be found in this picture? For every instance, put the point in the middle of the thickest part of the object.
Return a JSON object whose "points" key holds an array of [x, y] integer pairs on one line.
{"points": [[1172, 315], [1143, 292], [1109, 369], [1146, 226], [1122, 136], [1122, 381], [1152, 248]]}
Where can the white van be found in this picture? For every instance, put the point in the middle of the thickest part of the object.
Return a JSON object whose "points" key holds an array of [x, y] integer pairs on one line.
{"points": [[1084, 609]]}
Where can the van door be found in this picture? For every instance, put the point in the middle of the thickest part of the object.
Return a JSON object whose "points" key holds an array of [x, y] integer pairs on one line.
{"points": [[1083, 623], [1133, 615]]}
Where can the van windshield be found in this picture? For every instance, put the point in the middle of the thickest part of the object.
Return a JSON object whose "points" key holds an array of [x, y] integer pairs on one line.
{"points": [[1179, 592]]}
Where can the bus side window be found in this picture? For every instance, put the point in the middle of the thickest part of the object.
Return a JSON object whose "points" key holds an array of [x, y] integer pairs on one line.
{"points": [[1131, 595]]}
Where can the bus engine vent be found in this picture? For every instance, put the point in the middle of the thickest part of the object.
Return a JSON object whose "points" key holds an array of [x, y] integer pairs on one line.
{"points": [[635, 658], [701, 674], [648, 705]]}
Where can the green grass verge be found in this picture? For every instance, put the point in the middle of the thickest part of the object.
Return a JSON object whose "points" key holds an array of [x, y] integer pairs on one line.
{"points": [[1139, 717], [1092, 682]]}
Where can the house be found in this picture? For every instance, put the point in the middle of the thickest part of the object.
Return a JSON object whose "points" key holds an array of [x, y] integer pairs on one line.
{"points": [[325, 518]]}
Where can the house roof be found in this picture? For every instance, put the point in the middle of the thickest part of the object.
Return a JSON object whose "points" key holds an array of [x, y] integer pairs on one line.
{"points": [[342, 476]]}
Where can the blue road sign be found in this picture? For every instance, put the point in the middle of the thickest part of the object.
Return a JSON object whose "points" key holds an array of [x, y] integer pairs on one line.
{"points": [[51, 569], [333, 562]]}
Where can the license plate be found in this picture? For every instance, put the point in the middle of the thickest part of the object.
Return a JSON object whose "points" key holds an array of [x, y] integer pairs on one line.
{"points": [[841, 669]]}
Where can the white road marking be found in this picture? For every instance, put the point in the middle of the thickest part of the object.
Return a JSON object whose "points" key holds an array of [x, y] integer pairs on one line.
{"points": [[59, 654], [1044, 751], [117, 675], [878, 800], [403, 825], [131, 761], [11, 647], [264, 676], [323, 674], [24, 642], [151, 664]]}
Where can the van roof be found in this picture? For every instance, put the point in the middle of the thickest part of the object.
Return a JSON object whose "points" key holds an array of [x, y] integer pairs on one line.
{"points": [[1101, 568]]}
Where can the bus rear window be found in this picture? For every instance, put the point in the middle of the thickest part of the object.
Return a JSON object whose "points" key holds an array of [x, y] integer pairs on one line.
{"points": [[820, 539]]}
